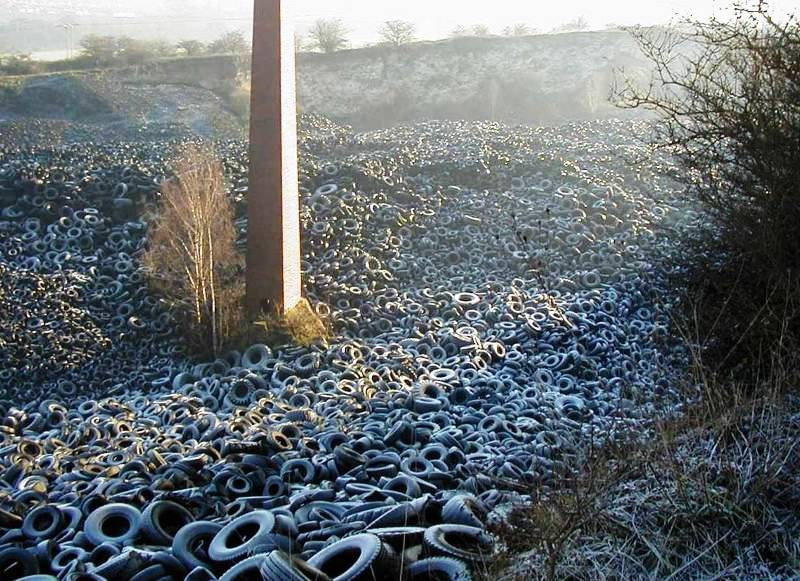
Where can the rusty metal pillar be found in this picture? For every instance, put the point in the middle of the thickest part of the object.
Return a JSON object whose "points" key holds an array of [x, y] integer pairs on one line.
{"points": [[273, 237]]}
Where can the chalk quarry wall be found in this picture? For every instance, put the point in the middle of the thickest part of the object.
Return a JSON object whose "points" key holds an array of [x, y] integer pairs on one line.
{"points": [[543, 79]]}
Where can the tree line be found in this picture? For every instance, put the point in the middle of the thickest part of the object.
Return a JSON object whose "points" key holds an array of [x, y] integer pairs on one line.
{"points": [[324, 35]]}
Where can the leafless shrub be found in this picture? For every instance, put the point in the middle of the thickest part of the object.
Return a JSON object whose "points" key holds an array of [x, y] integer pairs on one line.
{"points": [[397, 32], [328, 35], [728, 100], [192, 257]]}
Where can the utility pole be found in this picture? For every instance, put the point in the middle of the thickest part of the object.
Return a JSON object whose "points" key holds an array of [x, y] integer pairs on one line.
{"points": [[273, 236]]}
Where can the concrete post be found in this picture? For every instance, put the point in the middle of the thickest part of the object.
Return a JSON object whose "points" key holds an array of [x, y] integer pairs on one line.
{"points": [[273, 237]]}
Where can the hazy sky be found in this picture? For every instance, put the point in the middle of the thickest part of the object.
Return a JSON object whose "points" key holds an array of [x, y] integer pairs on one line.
{"points": [[436, 18]]}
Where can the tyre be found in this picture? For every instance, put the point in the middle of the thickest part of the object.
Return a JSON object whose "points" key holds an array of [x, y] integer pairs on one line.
{"points": [[113, 523], [464, 509], [16, 563], [439, 568], [162, 520], [190, 545], [43, 522], [356, 558], [460, 541], [245, 570], [281, 566], [239, 537]]}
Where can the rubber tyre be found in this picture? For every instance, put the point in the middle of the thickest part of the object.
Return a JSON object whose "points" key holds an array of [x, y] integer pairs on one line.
{"points": [[105, 524], [357, 558], [459, 541], [248, 569], [192, 538], [240, 536], [15, 563], [281, 566], [439, 568], [163, 519]]}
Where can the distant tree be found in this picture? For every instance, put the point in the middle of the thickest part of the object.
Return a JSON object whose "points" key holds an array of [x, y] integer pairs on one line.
{"points": [[328, 35], [397, 32], [102, 50], [233, 42], [18, 64], [459, 30], [192, 47], [520, 29], [130, 51], [573, 25], [480, 30], [163, 49], [299, 42]]}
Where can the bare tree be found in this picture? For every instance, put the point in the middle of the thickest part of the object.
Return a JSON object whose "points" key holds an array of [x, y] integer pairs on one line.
{"points": [[576, 25], [520, 29], [233, 42], [459, 31], [397, 32], [480, 30], [328, 35], [192, 47], [192, 255], [102, 50], [727, 96]]}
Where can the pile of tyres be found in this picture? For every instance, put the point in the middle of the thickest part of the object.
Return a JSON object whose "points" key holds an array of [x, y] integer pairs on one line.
{"points": [[499, 300]]}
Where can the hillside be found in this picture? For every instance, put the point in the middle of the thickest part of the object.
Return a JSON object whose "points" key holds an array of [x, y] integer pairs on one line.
{"points": [[515, 80]]}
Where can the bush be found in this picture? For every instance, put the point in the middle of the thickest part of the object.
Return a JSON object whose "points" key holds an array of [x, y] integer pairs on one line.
{"points": [[727, 95], [18, 64], [192, 257]]}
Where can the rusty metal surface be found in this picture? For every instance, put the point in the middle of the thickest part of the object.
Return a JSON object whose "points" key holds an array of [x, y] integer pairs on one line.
{"points": [[273, 240]]}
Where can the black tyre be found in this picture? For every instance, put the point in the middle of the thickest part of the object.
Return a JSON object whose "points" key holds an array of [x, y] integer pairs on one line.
{"points": [[16, 563], [281, 566], [113, 523], [440, 569], [162, 520], [241, 536], [460, 541], [245, 570], [464, 509], [43, 522], [357, 558], [190, 545]]}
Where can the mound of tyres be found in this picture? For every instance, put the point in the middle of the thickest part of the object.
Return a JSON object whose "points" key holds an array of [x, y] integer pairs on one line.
{"points": [[498, 299]]}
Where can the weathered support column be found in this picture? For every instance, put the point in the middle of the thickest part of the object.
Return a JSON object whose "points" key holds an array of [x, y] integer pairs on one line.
{"points": [[273, 237]]}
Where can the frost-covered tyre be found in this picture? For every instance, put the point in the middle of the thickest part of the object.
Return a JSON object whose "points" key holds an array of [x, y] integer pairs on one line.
{"points": [[439, 568], [281, 566], [464, 509], [162, 520], [241, 536], [190, 545], [356, 558], [113, 523], [459, 541]]}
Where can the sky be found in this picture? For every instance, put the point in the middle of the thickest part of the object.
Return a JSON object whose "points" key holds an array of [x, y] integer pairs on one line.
{"points": [[437, 18], [434, 19]]}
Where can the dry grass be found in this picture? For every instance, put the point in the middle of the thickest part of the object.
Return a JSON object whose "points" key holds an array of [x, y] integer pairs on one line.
{"points": [[714, 495], [191, 258], [300, 326]]}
